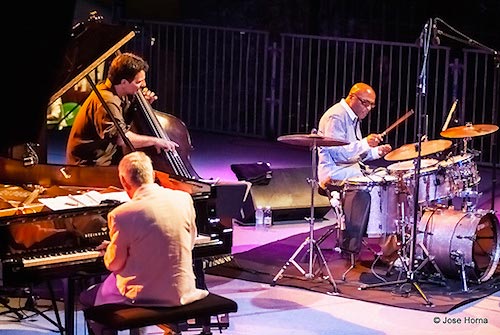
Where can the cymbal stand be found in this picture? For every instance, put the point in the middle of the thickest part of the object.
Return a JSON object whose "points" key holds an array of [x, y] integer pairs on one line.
{"points": [[314, 249], [411, 274]]}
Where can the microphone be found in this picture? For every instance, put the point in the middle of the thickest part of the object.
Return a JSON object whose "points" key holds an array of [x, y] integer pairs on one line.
{"points": [[450, 113], [435, 35]]}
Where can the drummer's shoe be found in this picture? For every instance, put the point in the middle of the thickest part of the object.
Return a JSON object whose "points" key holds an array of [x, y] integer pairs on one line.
{"points": [[398, 264], [390, 248]]}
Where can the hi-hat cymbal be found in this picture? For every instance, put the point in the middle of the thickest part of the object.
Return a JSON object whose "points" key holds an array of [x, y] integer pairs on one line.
{"points": [[308, 140], [410, 151], [469, 130]]}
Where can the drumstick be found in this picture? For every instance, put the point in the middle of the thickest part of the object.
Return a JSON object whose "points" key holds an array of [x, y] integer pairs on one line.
{"points": [[398, 121]]}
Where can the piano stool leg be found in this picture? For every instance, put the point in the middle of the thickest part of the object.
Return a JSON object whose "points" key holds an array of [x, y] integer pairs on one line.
{"points": [[200, 283]]}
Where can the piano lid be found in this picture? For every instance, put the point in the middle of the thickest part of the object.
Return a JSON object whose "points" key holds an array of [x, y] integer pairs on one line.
{"points": [[91, 43]]}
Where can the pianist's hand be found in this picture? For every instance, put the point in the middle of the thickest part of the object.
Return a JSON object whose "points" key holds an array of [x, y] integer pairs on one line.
{"points": [[102, 247]]}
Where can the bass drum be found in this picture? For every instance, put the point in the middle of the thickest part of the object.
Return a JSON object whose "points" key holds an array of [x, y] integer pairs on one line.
{"points": [[454, 237]]}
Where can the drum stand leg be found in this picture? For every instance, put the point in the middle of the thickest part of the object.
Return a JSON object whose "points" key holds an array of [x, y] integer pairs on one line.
{"points": [[429, 258], [314, 250], [459, 260], [352, 258]]}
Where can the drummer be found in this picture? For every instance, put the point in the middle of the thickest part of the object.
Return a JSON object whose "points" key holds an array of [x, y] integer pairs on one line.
{"points": [[342, 122], [338, 163]]}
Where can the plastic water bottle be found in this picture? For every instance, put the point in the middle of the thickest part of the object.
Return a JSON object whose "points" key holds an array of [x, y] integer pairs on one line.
{"points": [[268, 217], [259, 218]]}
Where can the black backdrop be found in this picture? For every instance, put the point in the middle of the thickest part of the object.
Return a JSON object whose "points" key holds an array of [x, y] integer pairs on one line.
{"points": [[33, 44], [389, 20]]}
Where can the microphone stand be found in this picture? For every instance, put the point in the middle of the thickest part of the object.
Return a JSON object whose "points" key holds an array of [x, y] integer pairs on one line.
{"points": [[462, 38], [421, 92]]}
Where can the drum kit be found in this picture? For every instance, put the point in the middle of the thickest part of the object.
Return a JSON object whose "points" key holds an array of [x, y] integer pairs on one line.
{"points": [[462, 244]]}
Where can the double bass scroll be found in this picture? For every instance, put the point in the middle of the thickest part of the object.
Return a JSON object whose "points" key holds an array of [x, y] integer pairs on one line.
{"points": [[151, 122]]}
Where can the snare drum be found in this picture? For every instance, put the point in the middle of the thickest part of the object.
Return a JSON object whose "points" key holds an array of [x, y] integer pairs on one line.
{"points": [[462, 171], [403, 167], [383, 204]]}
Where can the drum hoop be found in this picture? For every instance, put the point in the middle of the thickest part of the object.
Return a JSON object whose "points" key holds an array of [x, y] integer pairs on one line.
{"points": [[423, 172], [457, 160], [435, 162], [496, 257]]}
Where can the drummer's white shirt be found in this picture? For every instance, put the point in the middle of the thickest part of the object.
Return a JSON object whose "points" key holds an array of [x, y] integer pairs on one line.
{"points": [[342, 162]]}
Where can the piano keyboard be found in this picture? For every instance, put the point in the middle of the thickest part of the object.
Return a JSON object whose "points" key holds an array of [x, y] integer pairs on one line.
{"points": [[91, 254], [78, 255], [61, 258]]}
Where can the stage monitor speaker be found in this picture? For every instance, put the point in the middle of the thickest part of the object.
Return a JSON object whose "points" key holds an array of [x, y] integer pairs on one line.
{"points": [[289, 195]]}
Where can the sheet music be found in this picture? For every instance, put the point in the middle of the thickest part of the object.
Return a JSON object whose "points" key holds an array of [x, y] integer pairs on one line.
{"points": [[87, 199]]}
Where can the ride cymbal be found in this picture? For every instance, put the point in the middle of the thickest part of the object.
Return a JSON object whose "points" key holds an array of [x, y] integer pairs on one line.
{"points": [[469, 130], [308, 140], [410, 151]]}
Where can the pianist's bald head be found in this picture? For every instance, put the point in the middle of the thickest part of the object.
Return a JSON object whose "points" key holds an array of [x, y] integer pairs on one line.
{"points": [[135, 169]]}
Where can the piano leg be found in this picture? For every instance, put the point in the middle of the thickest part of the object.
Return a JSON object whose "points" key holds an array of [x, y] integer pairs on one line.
{"points": [[56, 310], [69, 307], [199, 273]]}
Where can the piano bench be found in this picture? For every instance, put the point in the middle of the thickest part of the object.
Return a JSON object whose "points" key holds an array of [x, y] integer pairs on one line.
{"points": [[129, 317]]}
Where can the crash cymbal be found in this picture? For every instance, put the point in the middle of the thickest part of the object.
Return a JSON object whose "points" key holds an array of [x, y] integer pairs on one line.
{"points": [[308, 140], [410, 151], [469, 130]]}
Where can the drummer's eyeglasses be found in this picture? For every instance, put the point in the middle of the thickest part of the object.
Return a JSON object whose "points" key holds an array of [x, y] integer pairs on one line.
{"points": [[365, 102]]}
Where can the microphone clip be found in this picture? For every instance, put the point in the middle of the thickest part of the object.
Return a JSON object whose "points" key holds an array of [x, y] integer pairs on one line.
{"points": [[30, 157]]}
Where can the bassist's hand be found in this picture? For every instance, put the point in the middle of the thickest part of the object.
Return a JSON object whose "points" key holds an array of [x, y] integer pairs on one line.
{"points": [[165, 144], [149, 95]]}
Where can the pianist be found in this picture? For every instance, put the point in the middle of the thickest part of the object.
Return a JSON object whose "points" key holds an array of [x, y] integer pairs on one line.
{"points": [[151, 241], [94, 138]]}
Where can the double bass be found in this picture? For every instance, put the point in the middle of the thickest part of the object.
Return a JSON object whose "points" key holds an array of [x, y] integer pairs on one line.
{"points": [[149, 121]]}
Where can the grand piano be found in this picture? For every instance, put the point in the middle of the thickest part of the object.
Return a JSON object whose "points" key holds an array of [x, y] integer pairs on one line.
{"points": [[41, 243]]}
